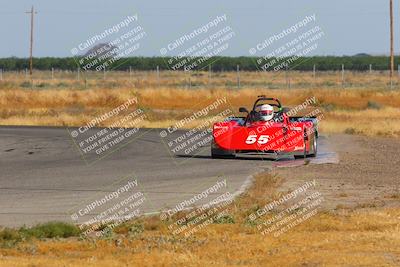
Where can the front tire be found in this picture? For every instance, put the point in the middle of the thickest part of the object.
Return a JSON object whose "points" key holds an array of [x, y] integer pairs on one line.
{"points": [[219, 153]]}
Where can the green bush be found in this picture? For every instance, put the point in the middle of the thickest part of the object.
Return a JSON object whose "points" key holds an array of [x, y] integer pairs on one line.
{"points": [[9, 235], [26, 85], [350, 131], [136, 229], [42, 85], [51, 230], [225, 219], [373, 105], [9, 238], [61, 84]]}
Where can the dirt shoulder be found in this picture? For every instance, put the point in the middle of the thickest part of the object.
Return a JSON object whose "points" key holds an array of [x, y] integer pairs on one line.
{"points": [[368, 174]]}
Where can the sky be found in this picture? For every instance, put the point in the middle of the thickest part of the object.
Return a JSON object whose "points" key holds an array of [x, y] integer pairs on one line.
{"points": [[349, 26]]}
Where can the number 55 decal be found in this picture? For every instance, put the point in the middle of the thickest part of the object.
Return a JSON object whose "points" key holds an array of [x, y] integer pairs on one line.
{"points": [[252, 138]]}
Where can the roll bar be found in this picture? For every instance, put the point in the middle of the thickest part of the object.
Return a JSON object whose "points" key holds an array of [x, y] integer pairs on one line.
{"points": [[264, 98]]}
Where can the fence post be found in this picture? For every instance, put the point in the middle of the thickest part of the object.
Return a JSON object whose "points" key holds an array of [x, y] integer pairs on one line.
{"points": [[79, 74], [314, 75], [104, 73], [209, 75], [130, 72], [286, 77], [342, 75], [314, 71], [52, 73], [26, 73], [391, 82], [370, 73], [1, 74], [158, 75], [190, 81], [238, 76]]}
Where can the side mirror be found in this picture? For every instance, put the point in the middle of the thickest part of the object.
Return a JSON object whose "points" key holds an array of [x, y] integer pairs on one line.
{"points": [[242, 109]]}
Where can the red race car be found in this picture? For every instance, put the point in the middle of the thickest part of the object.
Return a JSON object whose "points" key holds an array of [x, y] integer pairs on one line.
{"points": [[265, 130]]}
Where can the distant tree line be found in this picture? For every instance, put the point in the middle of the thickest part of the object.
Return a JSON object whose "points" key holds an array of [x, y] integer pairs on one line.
{"points": [[322, 63]]}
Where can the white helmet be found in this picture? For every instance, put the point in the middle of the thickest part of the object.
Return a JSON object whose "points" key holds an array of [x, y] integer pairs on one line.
{"points": [[266, 112]]}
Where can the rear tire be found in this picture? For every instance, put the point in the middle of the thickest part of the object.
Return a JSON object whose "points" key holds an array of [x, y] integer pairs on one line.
{"points": [[314, 151], [313, 148]]}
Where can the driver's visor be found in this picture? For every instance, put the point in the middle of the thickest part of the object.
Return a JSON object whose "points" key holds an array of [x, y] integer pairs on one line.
{"points": [[266, 112]]}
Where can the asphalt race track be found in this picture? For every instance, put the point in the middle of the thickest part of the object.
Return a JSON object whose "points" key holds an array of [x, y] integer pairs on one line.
{"points": [[45, 176]]}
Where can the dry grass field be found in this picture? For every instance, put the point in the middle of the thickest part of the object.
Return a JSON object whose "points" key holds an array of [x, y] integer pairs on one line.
{"points": [[365, 106]]}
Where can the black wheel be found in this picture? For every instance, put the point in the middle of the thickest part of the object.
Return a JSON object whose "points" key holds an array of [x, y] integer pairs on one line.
{"points": [[298, 157], [314, 147], [304, 155], [219, 153]]}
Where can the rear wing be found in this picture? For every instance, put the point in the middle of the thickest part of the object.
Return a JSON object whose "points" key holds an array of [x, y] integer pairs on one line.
{"points": [[263, 98], [314, 120], [239, 120]]}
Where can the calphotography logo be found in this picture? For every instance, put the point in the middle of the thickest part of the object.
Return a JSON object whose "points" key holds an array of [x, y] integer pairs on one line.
{"points": [[102, 50], [198, 48], [193, 134], [201, 210], [287, 47], [281, 215], [94, 142], [110, 210]]}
